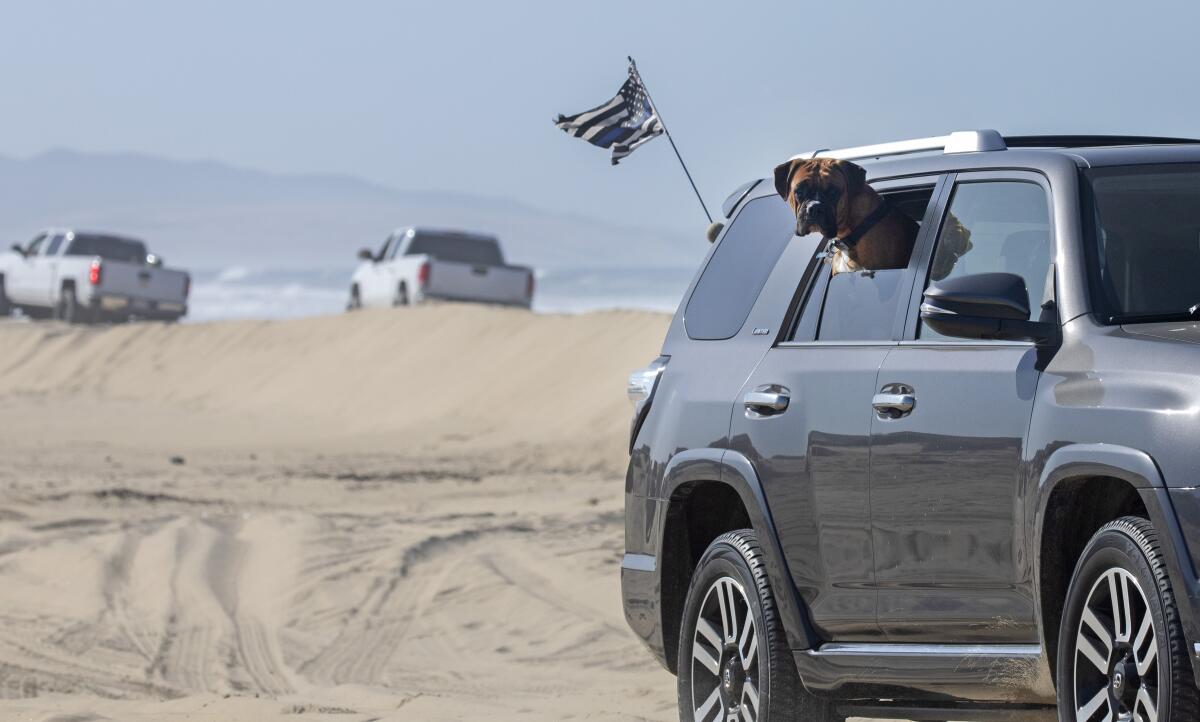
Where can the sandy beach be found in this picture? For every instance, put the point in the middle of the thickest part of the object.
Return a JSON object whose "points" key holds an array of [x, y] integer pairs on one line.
{"points": [[407, 515]]}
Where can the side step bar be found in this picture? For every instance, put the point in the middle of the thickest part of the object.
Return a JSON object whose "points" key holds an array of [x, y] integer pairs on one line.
{"points": [[977, 673]]}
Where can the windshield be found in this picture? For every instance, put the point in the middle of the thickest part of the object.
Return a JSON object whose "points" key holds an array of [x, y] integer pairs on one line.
{"points": [[110, 248], [1145, 257], [462, 249]]}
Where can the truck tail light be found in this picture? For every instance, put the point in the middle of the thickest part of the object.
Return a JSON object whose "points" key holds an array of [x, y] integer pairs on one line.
{"points": [[529, 284], [423, 274], [95, 273]]}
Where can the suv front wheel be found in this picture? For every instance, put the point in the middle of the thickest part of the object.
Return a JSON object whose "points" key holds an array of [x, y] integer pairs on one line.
{"points": [[1122, 654], [734, 661]]}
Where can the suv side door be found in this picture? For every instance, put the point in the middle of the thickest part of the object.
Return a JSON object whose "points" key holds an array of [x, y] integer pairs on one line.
{"points": [[946, 475], [812, 456]]}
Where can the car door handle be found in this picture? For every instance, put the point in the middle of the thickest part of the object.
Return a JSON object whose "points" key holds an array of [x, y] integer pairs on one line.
{"points": [[893, 405], [770, 402]]}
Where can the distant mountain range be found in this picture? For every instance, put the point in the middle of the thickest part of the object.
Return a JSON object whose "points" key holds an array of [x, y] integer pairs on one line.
{"points": [[208, 215]]}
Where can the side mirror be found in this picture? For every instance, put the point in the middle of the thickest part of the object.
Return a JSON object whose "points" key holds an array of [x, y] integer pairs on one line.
{"points": [[984, 306], [366, 254], [16, 247]]}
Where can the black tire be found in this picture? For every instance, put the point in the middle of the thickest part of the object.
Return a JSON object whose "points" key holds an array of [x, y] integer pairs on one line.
{"points": [[733, 566], [68, 308], [355, 302], [401, 298], [5, 305], [1122, 572]]}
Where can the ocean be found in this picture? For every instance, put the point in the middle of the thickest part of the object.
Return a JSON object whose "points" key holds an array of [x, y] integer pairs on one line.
{"points": [[245, 293]]}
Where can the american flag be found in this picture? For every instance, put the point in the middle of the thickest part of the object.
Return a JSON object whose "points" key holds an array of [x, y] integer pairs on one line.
{"points": [[623, 123]]}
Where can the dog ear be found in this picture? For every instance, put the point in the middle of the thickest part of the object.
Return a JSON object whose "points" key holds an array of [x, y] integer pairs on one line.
{"points": [[856, 177], [783, 175]]}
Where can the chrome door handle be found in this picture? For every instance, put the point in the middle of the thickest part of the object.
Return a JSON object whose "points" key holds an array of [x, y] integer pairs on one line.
{"points": [[766, 401], [893, 406]]}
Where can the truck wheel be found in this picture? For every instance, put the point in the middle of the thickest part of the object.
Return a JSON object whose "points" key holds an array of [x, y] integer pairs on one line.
{"points": [[68, 308], [355, 302], [5, 304], [401, 298], [1121, 651], [734, 661]]}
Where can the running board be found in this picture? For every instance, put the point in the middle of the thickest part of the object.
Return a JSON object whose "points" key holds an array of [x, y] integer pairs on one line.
{"points": [[990, 673]]}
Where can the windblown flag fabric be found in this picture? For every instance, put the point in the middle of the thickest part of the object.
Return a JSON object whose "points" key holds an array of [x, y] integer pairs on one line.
{"points": [[623, 123]]}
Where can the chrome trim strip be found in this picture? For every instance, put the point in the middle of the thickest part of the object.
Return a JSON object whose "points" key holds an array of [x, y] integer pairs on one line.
{"points": [[639, 562], [851, 649]]}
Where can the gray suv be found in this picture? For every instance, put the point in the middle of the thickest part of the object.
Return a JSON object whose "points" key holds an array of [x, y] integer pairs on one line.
{"points": [[965, 493]]}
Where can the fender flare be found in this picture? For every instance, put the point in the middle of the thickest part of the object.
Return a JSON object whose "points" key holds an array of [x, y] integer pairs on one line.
{"points": [[735, 471], [1142, 473]]}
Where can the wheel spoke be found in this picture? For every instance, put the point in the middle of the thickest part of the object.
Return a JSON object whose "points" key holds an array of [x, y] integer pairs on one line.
{"points": [[1143, 706], [1119, 596], [701, 655], [1084, 713], [1144, 654], [708, 705], [748, 632], [749, 701], [704, 629], [1094, 623], [1093, 655], [725, 593]]}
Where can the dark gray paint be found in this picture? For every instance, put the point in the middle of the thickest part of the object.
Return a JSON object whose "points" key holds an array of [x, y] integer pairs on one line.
{"points": [[1112, 401]]}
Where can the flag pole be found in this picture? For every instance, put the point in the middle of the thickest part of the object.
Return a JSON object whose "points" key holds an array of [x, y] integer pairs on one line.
{"points": [[668, 134]]}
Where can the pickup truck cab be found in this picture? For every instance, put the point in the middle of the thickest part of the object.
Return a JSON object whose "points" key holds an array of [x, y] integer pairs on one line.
{"points": [[80, 277], [415, 265]]}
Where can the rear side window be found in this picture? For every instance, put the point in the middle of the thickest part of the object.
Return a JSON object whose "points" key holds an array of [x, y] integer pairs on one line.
{"points": [[862, 306], [107, 247], [55, 242], [738, 269], [459, 249]]}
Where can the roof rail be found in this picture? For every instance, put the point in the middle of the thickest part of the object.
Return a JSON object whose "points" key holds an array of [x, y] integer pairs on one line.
{"points": [[1091, 141], [960, 141]]}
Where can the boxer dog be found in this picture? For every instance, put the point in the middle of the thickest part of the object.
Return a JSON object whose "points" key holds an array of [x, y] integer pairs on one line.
{"points": [[832, 196]]}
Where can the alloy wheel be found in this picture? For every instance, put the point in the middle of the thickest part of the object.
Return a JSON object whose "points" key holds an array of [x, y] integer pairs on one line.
{"points": [[725, 678], [1116, 653]]}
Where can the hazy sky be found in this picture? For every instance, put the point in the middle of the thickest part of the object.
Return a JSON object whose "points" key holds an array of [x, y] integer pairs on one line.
{"points": [[452, 95]]}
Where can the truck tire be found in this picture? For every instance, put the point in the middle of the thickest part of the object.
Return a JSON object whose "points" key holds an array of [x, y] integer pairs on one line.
{"points": [[1121, 649], [68, 308], [401, 298], [355, 302], [5, 306], [733, 652]]}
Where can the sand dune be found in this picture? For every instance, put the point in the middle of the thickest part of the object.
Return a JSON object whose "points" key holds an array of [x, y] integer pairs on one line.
{"points": [[407, 515]]}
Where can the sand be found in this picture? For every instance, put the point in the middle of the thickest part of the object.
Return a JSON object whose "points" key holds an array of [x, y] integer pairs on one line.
{"points": [[393, 515]]}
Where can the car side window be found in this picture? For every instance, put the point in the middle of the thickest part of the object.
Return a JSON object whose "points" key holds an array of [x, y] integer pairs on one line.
{"points": [[995, 226], [55, 243], [738, 269], [35, 245], [861, 306]]}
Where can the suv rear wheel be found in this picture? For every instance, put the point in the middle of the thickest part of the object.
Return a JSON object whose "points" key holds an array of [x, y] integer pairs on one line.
{"points": [[734, 661], [1122, 654]]}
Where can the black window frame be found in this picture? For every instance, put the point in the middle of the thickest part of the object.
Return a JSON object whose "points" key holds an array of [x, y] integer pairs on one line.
{"points": [[803, 322], [928, 245]]}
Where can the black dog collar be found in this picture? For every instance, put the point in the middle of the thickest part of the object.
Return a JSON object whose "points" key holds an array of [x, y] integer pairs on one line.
{"points": [[854, 236]]}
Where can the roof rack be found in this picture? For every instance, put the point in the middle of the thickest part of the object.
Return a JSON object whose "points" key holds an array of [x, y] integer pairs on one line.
{"points": [[976, 141], [1091, 141], [961, 141]]}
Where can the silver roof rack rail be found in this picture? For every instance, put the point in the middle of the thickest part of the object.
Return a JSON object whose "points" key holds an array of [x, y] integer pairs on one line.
{"points": [[960, 141]]}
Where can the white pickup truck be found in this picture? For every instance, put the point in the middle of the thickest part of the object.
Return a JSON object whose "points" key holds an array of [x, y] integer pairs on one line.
{"points": [[81, 277], [417, 264]]}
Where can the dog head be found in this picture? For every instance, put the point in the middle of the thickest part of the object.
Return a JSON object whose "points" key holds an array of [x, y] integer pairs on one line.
{"points": [[820, 191]]}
